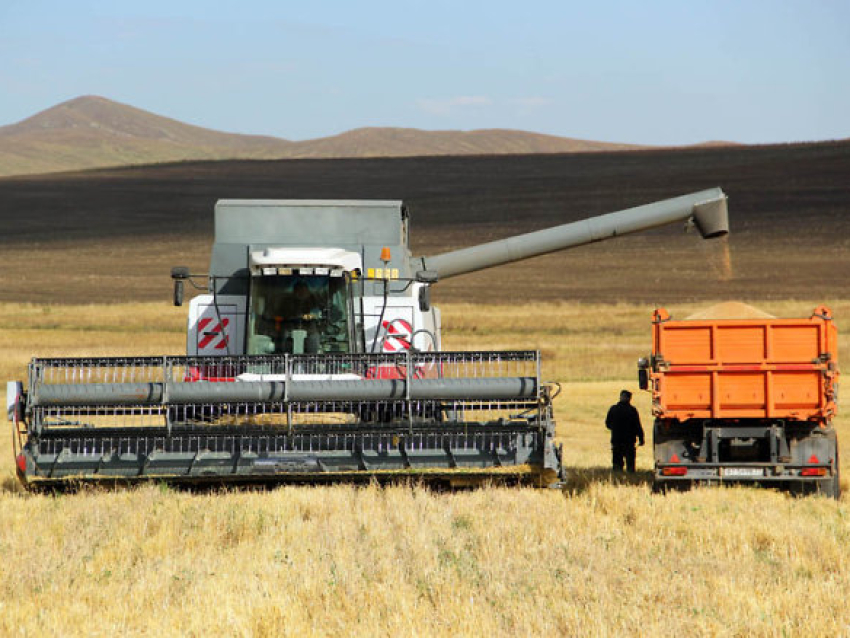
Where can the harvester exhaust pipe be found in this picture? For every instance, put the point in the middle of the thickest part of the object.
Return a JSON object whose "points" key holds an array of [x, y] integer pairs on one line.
{"points": [[707, 209]]}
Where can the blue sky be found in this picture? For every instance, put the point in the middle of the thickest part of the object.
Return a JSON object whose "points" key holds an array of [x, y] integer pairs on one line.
{"points": [[647, 72]]}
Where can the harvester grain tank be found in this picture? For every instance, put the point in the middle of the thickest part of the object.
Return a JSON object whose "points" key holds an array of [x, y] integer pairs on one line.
{"points": [[745, 400], [315, 354]]}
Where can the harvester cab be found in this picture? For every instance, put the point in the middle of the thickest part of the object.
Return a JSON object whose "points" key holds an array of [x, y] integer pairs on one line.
{"points": [[302, 305], [310, 277], [314, 354]]}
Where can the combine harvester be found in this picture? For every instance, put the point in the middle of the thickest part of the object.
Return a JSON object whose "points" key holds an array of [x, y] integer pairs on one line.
{"points": [[315, 356], [745, 401]]}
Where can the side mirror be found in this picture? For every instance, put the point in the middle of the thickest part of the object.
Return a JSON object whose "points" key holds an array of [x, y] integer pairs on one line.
{"points": [[425, 298], [643, 374], [178, 274], [178, 292]]}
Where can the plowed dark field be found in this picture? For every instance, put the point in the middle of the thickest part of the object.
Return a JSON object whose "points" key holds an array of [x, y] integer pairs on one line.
{"points": [[114, 234]]}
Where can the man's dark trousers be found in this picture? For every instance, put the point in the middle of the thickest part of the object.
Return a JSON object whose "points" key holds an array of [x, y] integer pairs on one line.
{"points": [[621, 453]]}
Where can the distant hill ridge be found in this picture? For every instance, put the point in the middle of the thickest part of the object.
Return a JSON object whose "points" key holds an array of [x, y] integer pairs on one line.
{"points": [[93, 132]]}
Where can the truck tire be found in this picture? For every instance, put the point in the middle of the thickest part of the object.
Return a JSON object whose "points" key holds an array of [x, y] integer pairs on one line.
{"points": [[663, 447], [825, 446], [663, 486], [828, 487], [831, 487]]}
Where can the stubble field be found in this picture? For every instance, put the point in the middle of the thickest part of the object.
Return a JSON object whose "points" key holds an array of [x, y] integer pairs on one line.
{"points": [[601, 557]]}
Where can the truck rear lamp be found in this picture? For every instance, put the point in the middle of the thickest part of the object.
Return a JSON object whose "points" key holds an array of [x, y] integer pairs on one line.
{"points": [[337, 272], [305, 271], [322, 271], [674, 471], [284, 271], [270, 271], [813, 471]]}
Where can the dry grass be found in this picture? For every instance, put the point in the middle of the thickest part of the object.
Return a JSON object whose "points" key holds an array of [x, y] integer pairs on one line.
{"points": [[613, 560], [598, 559]]}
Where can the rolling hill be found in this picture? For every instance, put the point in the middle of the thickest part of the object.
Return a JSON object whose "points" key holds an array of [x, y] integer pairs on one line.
{"points": [[94, 132]]}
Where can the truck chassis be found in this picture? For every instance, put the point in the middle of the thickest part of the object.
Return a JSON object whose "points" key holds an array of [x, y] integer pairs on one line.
{"points": [[797, 456]]}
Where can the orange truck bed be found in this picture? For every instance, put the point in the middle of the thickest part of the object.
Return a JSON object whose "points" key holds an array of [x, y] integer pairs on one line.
{"points": [[744, 369]]}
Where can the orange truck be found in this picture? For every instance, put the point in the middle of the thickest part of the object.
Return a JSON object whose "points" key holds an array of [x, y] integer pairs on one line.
{"points": [[744, 400]]}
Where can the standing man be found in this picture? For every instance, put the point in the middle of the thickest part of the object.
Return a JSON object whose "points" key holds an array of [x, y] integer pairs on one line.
{"points": [[624, 422]]}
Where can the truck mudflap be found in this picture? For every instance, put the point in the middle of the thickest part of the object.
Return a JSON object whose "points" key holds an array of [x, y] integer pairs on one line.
{"points": [[453, 417]]}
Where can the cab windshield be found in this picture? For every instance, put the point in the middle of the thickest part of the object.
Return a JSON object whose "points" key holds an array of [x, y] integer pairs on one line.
{"points": [[292, 314]]}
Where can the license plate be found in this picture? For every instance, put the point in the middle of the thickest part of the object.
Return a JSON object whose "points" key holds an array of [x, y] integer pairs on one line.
{"points": [[743, 471]]}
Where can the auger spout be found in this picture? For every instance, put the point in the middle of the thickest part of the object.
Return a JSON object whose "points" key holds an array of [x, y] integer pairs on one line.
{"points": [[707, 209]]}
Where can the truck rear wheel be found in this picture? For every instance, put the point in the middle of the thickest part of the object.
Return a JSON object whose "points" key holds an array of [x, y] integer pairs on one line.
{"points": [[831, 486], [662, 486]]}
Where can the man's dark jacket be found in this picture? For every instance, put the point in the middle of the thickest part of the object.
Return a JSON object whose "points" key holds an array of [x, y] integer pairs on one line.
{"points": [[624, 422]]}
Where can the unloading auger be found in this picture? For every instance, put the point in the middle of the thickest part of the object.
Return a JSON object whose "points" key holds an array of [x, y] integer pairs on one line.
{"points": [[315, 355]]}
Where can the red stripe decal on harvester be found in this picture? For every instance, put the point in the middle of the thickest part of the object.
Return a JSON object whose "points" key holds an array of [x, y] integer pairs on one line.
{"points": [[213, 333], [398, 337]]}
